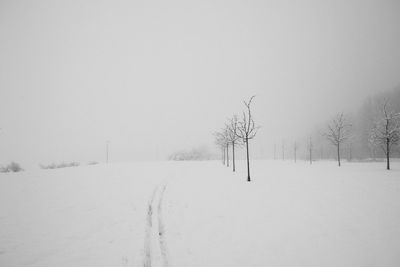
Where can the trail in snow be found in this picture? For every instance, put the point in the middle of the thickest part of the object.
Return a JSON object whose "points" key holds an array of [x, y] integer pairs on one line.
{"points": [[161, 229], [149, 224], [155, 235]]}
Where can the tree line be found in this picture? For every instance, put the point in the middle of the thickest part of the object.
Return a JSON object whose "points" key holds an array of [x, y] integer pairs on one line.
{"points": [[237, 132], [371, 133]]}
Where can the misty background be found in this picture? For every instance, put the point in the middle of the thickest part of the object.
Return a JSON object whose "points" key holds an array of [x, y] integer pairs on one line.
{"points": [[154, 77]]}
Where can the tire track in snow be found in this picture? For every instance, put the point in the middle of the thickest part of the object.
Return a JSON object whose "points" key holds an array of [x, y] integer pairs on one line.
{"points": [[153, 234], [161, 230], [149, 224]]}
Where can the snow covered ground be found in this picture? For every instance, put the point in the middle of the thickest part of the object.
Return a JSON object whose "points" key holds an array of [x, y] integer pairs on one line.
{"points": [[202, 214]]}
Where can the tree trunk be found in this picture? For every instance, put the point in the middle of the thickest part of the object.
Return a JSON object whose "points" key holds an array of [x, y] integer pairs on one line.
{"points": [[349, 157], [233, 156], [248, 160], [227, 155], [223, 149], [373, 154], [387, 154], [338, 154]]}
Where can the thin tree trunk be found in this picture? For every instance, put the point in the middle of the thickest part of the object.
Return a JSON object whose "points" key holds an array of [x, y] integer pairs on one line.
{"points": [[248, 160], [223, 149], [227, 155], [350, 154], [373, 154], [338, 154], [387, 154], [233, 156], [387, 146]]}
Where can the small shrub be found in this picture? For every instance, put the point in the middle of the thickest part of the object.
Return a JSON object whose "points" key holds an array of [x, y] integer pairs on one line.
{"points": [[60, 165], [194, 154], [12, 167]]}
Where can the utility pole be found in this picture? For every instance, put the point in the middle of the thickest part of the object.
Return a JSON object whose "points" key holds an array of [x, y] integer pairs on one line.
{"points": [[274, 151], [295, 152], [310, 151], [107, 143]]}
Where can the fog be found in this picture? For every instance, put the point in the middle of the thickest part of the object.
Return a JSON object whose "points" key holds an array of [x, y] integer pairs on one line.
{"points": [[153, 77]]}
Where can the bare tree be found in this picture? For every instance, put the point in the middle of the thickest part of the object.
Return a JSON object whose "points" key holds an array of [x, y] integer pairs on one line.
{"points": [[220, 141], [350, 148], [233, 138], [226, 141], [372, 144], [338, 132], [247, 130], [386, 131], [322, 152]]}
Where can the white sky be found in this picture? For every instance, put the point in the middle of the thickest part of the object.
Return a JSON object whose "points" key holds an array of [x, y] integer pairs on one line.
{"points": [[156, 76]]}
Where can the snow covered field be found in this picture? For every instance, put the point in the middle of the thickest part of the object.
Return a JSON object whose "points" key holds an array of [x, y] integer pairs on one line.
{"points": [[202, 214]]}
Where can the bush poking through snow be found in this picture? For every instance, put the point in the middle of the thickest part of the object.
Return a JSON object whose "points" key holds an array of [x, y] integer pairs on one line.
{"points": [[93, 163], [194, 154], [60, 165], [12, 167]]}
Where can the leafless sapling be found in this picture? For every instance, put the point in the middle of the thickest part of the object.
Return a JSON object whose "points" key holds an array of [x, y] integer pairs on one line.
{"points": [[372, 144], [247, 130], [233, 138], [338, 132], [226, 141], [321, 152], [220, 141], [386, 132], [350, 149]]}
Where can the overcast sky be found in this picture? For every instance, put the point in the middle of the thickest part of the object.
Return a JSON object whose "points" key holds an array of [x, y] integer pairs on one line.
{"points": [[156, 76]]}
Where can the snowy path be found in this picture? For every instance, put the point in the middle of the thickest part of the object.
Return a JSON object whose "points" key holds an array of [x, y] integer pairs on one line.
{"points": [[149, 231], [85, 216], [155, 231], [161, 229]]}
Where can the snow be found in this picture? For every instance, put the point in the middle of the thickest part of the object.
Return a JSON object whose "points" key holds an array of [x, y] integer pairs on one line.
{"points": [[202, 214]]}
